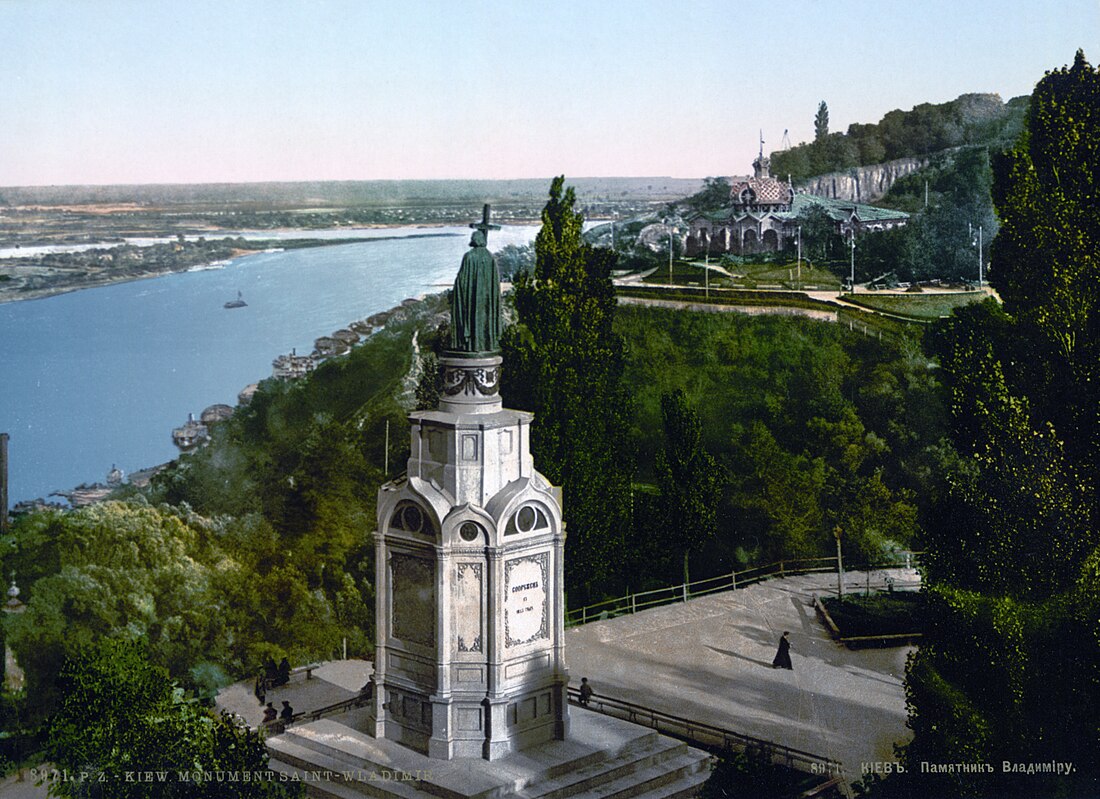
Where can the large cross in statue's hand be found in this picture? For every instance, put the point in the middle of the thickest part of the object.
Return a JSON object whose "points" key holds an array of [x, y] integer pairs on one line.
{"points": [[484, 225]]}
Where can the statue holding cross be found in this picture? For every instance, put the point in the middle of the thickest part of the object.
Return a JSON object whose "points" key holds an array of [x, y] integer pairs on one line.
{"points": [[475, 301]]}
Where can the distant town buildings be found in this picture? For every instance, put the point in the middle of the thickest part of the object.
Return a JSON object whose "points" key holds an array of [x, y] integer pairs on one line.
{"points": [[190, 435], [293, 366]]}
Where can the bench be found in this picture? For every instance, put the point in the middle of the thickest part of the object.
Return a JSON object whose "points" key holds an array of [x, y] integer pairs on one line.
{"points": [[307, 670]]}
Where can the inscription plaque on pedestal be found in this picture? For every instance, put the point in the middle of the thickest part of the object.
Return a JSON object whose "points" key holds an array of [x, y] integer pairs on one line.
{"points": [[525, 600]]}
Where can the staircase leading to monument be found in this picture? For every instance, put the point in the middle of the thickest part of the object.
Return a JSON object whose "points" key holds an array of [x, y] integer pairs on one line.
{"points": [[603, 757]]}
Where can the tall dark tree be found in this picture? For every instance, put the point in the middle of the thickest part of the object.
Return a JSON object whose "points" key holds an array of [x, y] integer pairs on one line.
{"points": [[563, 361], [689, 478], [1010, 670], [821, 122]]}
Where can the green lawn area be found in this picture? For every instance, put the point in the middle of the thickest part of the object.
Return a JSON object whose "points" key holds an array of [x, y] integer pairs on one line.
{"points": [[894, 613], [918, 305], [692, 273], [787, 276], [689, 273]]}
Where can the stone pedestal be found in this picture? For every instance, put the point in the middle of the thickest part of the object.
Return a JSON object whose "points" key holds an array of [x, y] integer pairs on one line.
{"points": [[470, 608], [470, 385]]}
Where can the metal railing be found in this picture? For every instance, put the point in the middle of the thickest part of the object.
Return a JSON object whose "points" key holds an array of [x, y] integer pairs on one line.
{"points": [[708, 736], [641, 600], [278, 726]]}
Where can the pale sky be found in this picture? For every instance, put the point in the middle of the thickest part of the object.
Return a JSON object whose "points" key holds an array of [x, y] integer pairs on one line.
{"points": [[159, 91]]}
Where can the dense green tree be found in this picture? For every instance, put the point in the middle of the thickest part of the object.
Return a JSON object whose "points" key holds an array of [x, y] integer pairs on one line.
{"points": [[1048, 254], [120, 715], [820, 241], [749, 773], [565, 363], [778, 494], [211, 598], [714, 194], [1022, 379], [834, 153], [809, 425], [967, 120], [943, 238], [1011, 666], [688, 477]]}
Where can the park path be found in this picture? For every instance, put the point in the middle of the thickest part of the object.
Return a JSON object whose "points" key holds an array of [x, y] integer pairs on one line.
{"points": [[709, 660]]}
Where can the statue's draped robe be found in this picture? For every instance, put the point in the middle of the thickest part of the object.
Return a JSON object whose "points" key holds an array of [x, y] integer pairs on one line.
{"points": [[475, 303]]}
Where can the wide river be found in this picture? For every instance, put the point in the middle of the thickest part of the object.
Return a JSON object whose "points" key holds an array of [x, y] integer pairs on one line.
{"points": [[100, 377]]}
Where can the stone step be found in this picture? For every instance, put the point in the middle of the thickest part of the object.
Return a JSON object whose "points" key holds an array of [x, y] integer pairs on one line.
{"points": [[355, 750], [318, 790], [592, 743], [333, 789], [627, 761], [686, 787], [602, 759], [289, 757], [650, 779], [677, 778]]}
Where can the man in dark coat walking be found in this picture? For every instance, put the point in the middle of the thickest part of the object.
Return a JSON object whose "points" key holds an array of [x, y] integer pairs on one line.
{"points": [[783, 656]]}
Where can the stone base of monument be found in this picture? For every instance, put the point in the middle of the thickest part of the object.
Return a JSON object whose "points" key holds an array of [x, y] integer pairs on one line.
{"points": [[603, 757], [470, 385]]}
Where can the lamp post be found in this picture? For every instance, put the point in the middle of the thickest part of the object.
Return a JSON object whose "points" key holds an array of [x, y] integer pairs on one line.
{"points": [[852, 239], [671, 233], [706, 270], [800, 256], [839, 563], [978, 242]]}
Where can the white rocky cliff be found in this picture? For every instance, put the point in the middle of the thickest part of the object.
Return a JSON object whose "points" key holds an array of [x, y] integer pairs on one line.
{"points": [[862, 184]]}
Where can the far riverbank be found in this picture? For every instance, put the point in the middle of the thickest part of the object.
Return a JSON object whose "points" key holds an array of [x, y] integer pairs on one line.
{"points": [[57, 273]]}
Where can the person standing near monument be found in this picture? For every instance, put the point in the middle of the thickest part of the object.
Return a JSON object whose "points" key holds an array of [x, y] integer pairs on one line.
{"points": [[783, 656], [586, 692], [475, 301]]}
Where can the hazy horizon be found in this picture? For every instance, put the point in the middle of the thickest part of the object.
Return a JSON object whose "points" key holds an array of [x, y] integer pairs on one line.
{"points": [[119, 92], [569, 179]]}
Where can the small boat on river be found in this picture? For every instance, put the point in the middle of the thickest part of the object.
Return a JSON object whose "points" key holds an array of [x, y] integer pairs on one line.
{"points": [[237, 303]]}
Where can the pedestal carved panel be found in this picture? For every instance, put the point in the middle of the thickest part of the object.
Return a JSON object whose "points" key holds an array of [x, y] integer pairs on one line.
{"points": [[468, 602], [413, 608]]}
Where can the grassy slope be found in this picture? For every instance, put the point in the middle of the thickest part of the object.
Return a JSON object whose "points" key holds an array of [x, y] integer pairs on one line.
{"points": [[916, 305]]}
